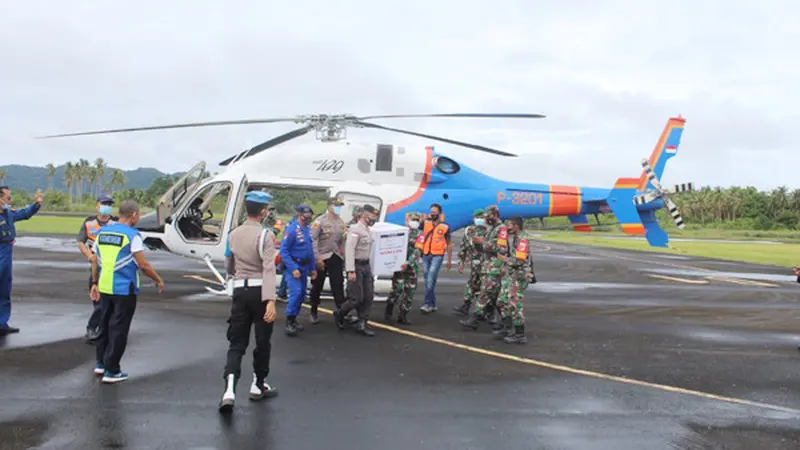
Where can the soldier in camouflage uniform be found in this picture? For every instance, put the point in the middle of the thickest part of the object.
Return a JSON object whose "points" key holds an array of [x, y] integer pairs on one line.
{"points": [[495, 249], [471, 254], [404, 282], [517, 274]]}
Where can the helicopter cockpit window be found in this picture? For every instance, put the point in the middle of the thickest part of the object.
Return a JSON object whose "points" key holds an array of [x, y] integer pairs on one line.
{"points": [[203, 218], [383, 158], [446, 165]]}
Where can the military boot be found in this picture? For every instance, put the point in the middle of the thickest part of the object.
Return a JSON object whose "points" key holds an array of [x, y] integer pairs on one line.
{"points": [[518, 337], [361, 328], [463, 309], [402, 317], [291, 326], [389, 310], [314, 314], [473, 321], [503, 329]]}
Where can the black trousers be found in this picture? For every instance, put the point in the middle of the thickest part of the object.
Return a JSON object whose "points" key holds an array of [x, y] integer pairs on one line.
{"points": [[360, 292], [116, 315], [94, 319], [334, 268], [248, 309]]}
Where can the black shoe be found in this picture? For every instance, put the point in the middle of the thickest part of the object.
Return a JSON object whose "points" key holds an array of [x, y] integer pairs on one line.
{"points": [[472, 321], [518, 337], [387, 315], [338, 319], [314, 315], [8, 330], [291, 327], [462, 310], [504, 329], [361, 328], [402, 318]]}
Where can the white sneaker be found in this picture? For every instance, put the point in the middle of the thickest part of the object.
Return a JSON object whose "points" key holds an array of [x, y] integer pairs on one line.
{"points": [[260, 392]]}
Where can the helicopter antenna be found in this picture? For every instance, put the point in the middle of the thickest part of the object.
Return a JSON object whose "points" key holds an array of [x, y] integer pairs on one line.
{"points": [[327, 128]]}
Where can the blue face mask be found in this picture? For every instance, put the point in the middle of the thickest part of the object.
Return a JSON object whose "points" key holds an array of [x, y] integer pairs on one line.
{"points": [[6, 207], [105, 210], [337, 210], [479, 221]]}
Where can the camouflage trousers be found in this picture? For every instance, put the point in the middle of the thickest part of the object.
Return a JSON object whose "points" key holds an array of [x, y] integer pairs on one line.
{"points": [[472, 290], [490, 290], [404, 284], [509, 302]]}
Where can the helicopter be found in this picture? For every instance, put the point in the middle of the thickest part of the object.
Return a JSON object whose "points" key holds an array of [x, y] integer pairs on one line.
{"points": [[395, 179]]}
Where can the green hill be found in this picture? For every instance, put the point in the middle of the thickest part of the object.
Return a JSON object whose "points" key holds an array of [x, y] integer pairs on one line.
{"points": [[29, 177]]}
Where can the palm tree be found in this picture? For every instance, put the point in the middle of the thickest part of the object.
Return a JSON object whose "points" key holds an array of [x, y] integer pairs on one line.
{"points": [[69, 178], [118, 178], [51, 175], [100, 168]]}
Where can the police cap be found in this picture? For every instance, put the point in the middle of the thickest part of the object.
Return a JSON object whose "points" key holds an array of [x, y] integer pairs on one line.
{"points": [[303, 209], [258, 197], [369, 208], [105, 199], [336, 201]]}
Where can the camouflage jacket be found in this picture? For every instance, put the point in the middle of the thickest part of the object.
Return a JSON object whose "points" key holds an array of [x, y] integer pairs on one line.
{"points": [[496, 245], [519, 264], [414, 254], [470, 252]]}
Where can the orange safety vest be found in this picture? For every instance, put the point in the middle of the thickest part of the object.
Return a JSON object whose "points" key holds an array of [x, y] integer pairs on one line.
{"points": [[522, 250], [437, 243]]}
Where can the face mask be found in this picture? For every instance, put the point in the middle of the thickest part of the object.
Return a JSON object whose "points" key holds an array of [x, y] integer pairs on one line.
{"points": [[105, 210], [433, 216], [479, 221], [370, 221], [6, 207], [337, 210], [414, 224]]}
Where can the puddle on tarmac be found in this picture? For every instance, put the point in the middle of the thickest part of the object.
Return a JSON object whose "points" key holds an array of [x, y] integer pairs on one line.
{"points": [[716, 273], [52, 244], [577, 286], [741, 338]]}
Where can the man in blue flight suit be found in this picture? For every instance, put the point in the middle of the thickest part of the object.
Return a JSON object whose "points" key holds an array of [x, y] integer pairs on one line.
{"points": [[282, 287], [297, 255], [8, 233]]}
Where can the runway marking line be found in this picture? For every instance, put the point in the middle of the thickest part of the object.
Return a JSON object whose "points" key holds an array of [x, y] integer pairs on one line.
{"points": [[682, 280], [558, 367], [742, 281], [572, 370], [199, 278]]}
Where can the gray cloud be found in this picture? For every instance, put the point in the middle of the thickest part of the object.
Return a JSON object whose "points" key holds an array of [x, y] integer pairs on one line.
{"points": [[608, 75]]}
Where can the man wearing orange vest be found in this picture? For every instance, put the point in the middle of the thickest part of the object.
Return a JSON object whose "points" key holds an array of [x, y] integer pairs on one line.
{"points": [[436, 243], [87, 234], [518, 275]]}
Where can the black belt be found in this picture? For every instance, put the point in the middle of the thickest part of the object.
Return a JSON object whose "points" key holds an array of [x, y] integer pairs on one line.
{"points": [[362, 261], [302, 262]]}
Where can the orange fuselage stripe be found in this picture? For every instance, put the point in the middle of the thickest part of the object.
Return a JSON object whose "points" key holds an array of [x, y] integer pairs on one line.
{"points": [[422, 184], [564, 200]]}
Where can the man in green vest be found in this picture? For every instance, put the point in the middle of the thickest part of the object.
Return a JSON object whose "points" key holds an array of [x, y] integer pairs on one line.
{"points": [[120, 256]]}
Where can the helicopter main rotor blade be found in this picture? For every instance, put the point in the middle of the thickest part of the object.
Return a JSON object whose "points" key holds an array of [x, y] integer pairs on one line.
{"points": [[268, 144], [436, 138], [167, 127], [460, 115]]}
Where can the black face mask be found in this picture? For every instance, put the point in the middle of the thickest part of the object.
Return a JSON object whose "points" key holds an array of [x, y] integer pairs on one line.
{"points": [[370, 221], [433, 216]]}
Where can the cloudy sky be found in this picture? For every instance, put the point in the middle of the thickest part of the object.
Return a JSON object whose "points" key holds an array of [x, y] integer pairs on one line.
{"points": [[606, 73]]}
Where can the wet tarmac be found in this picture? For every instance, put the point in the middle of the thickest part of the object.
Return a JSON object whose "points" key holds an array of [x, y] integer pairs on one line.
{"points": [[616, 359]]}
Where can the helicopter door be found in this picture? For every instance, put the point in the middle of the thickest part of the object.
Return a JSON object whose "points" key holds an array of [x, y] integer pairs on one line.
{"points": [[353, 199], [169, 202], [209, 213]]}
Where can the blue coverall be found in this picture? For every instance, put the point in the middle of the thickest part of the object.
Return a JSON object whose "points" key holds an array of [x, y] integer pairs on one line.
{"points": [[297, 253], [8, 233], [282, 287]]}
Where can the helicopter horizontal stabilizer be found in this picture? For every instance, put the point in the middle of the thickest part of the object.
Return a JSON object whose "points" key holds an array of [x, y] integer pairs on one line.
{"points": [[580, 222]]}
